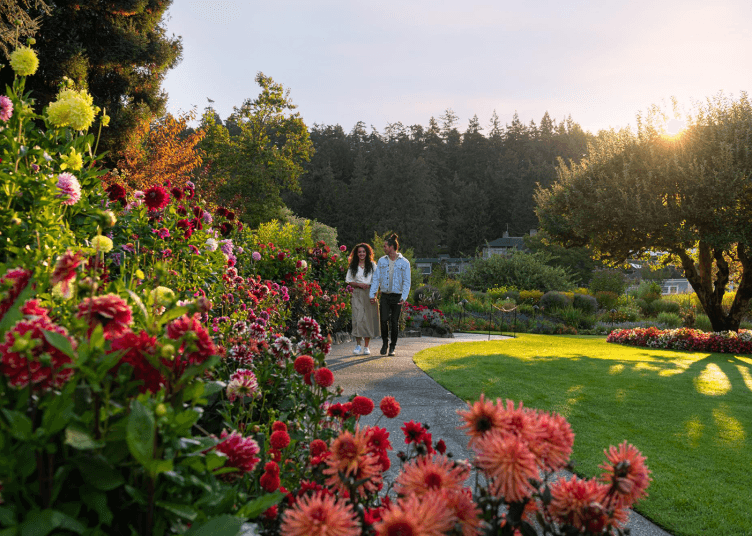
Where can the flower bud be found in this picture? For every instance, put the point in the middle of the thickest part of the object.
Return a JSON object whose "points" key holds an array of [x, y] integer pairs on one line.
{"points": [[168, 351], [160, 410]]}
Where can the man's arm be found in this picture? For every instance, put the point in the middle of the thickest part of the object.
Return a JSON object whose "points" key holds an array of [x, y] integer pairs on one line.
{"points": [[406, 283]]}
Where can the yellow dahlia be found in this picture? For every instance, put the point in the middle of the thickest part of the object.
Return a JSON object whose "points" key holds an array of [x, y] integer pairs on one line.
{"points": [[24, 61], [101, 243], [72, 108]]}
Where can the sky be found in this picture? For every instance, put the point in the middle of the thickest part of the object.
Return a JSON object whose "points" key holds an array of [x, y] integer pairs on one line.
{"points": [[406, 61]]}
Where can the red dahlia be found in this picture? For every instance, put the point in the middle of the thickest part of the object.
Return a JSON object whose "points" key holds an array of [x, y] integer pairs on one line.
{"points": [[389, 407], [110, 311], [156, 198], [323, 377], [362, 405], [116, 193]]}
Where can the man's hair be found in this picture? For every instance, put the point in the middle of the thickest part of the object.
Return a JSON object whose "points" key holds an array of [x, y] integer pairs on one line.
{"points": [[392, 241]]}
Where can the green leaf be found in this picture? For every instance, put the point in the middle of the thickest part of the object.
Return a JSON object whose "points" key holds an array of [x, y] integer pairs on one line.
{"points": [[61, 342], [13, 314], [97, 501], [213, 387], [98, 473], [181, 510], [7, 516], [156, 467], [20, 424], [214, 460], [256, 507], [172, 314], [225, 525], [58, 414], [80, 439], [45, 522], [140, 433]]}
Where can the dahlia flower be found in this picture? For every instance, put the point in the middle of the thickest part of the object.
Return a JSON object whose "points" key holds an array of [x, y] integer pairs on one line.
{"points": [[72, 108], [24, 61], [413, 515], [626, 473], [241, 454], [65, 271], [110, 311], [242, 383], [29, 358], [11, 284], [70, 189], [508, 463], [320, 515], [156, 198], [6, 108], [426, 474], [304, 364], [389, 407], [139, 349], [323, 377], [362, 405], [102, 243]]}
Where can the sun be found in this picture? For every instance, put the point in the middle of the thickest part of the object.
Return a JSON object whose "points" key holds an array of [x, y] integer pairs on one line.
{"points": [[675, 128]]}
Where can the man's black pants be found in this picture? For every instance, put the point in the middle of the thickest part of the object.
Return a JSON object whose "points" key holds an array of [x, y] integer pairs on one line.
{"points": [[390, 310]]}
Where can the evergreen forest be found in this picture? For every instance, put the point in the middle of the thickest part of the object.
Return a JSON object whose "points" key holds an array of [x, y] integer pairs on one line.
{"points": [[442, 189]]}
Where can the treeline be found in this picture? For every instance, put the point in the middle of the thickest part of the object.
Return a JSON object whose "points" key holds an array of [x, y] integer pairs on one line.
{"points": [[441, 189]]}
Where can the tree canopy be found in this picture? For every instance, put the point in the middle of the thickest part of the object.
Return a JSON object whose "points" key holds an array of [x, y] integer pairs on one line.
{"points": [[118, 50], [688, 195], [256, 154]]}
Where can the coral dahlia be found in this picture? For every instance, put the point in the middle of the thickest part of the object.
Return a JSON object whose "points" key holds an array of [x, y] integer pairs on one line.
{"points": [[320, 515]]}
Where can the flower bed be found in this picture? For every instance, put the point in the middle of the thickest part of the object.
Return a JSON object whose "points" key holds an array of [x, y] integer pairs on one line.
{"points": [[685, 339], [163, 371]]}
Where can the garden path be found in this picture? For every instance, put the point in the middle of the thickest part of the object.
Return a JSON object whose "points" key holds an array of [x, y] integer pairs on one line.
{"points": [[421, 398]]}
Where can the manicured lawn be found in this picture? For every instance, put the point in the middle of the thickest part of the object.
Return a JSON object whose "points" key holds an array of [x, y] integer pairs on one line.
{"points": [[689, 413]]}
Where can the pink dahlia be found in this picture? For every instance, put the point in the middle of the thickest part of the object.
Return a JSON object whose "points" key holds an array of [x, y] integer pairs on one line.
{"points": [[320, 515], [156, 198], [70, 189], [627, 473], [6, 108], [241, 454], [110, 311]]}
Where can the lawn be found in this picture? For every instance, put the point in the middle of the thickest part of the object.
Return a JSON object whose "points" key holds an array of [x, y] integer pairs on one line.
{"points": [[689, 413]]}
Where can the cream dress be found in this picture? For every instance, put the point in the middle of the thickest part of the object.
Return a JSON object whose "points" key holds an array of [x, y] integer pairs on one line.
{"points": [[365, 315]]}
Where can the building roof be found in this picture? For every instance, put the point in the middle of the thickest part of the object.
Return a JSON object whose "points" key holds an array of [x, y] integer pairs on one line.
{"points": [[508, 242]]}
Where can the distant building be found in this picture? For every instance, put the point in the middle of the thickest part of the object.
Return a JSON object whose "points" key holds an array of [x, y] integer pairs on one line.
{"points": [[505, 245], [676, 286], [451, 265]]}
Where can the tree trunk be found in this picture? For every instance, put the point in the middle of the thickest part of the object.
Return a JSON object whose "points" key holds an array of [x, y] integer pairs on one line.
{"points": [[710, 292]]}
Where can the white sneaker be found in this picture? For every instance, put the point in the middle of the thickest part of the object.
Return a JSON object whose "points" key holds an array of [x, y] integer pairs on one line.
{"points": [[366, 351], [358, 350]]}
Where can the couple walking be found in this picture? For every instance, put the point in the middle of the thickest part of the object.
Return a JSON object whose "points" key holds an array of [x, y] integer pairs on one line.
{"points": [[390, 276]]}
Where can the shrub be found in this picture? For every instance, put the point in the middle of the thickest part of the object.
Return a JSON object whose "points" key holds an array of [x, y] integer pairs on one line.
{"points": [[531, 297], [606, 299], [643, 306], [521, 270], [648, 291], [427, 295], [585, 303], [576, 318], [503, 293], [702, 322], [553, 301], [665, 306], [607, 281], [669, 320]]}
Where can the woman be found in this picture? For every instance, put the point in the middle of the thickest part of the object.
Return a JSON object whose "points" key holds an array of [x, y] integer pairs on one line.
{"points": [[365, 315]]}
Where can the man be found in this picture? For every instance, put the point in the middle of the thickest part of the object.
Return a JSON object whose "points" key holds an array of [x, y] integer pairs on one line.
{"points": [[392, 277]]}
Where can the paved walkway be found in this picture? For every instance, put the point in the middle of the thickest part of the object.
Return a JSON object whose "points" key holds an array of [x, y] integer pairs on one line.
{"points": [[422, 399]]}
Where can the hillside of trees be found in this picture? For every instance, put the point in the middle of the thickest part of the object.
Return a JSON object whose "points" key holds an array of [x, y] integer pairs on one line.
{"points": [[441, 189]]}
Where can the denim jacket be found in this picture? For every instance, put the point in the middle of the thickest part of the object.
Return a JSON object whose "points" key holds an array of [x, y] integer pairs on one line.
{"points": [[401, 276]]}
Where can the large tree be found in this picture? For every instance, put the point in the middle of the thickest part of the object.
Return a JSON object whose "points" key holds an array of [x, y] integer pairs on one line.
{"points": [[118, 50], [689, 195], [252, 163]]}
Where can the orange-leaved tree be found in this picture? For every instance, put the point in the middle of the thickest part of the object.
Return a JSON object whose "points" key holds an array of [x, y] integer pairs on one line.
{"points": [[165, 150]]}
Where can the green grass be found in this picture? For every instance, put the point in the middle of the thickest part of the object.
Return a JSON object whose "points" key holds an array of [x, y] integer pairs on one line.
{"points": [[689, 413]]}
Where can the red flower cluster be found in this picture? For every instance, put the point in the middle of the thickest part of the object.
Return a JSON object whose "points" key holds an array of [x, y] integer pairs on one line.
{"points": [[688, 339], [27, 356], [270, 479], [389, 407], [140, 349], [156, 198]]}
